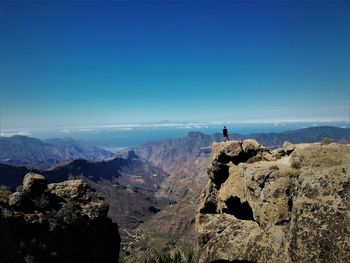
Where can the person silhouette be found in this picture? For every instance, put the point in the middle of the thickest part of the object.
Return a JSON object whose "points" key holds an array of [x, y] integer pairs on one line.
{"points": [[225, 134]]}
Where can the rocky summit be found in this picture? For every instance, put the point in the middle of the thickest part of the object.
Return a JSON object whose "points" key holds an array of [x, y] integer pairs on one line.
{"points": [[291, 205], [60, 222]]}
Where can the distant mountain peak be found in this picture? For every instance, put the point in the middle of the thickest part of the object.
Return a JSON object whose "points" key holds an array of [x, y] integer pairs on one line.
{"points": [[195, 134], [132, 155], [29, 151]]}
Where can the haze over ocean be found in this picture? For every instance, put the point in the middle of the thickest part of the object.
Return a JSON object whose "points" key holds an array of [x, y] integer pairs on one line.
{"points": [[76, 63], [85, 63], [135, 134]]}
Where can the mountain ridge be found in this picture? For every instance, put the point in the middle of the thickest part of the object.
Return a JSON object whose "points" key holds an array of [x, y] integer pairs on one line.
{"points": [[187, 177], [124, 183], [166, 152], [31, 151], [143, 183]]}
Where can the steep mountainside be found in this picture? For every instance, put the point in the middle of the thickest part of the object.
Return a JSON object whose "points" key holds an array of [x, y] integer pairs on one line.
{"points": [[306, 135], [129, 185], [185, 181], [172, 228], [186, 161], [171, 152], [62, 222], [289, 206], [11, 176], [155, 209], [30, 151]]}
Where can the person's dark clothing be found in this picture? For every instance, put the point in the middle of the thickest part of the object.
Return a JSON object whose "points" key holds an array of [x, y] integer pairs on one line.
{"points": [[225, 134]]}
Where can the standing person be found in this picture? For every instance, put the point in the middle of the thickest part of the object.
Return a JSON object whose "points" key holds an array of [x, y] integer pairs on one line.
{"points": [[225, 134]]}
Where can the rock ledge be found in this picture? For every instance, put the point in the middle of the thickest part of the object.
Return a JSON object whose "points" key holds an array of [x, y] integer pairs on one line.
{"points": [[289, 206], [61, 222]]}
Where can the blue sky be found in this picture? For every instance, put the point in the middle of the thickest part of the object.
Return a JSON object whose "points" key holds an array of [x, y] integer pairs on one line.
{"points": [[69, 63]]}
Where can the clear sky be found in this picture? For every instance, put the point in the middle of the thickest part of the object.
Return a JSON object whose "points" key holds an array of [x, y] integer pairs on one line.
{"points": [[69, 63]]}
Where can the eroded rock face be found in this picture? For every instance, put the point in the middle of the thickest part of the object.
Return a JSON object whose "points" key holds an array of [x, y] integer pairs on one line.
{"points": [[288, 147], [62, 222], [292, 207], [234, 152]]}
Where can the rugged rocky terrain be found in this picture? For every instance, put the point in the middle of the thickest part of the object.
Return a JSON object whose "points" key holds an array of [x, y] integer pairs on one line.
{"points": [[166, 153], [291, 205], [172, 228], [305, 135], [129, 185], [33, 152], [154, 209], [169, 153], [186, 160], [60, 222]]}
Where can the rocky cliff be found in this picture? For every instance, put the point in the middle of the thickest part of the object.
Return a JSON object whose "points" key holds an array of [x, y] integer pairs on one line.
{"points": [[60, 222], [291, 205]]}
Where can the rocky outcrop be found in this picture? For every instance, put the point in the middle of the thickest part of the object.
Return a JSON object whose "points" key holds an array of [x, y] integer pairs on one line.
{"points": [[288, 206], [61, 222]]}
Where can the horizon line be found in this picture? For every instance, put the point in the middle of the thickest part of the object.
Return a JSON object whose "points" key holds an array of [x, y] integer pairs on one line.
{"points": [[176, 125]]}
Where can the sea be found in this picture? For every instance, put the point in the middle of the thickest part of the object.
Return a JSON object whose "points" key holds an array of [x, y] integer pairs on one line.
{"points": [[127, 135]]}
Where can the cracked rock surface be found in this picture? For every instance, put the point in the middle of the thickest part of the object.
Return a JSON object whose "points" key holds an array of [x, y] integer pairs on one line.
{"points": [[264, 207]]}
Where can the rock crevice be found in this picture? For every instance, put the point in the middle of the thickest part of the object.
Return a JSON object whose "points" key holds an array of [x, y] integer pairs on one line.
{"points": [[241, 210], [285, 206]]}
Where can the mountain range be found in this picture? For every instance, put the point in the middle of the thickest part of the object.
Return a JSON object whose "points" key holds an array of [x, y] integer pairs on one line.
{"points": [[152, 188], [29, 151], [129, 185], [164, 153], [186, 160], [32, 152]]}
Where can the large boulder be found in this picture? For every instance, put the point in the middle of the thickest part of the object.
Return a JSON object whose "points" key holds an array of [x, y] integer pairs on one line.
{"points": [[234, 152], [34, 184], [80, 192], [291, 209], [288, 147], [61, 222]]}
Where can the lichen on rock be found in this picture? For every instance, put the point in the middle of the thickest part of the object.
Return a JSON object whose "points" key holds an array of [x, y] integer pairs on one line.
{"points": [[260, 208]]}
